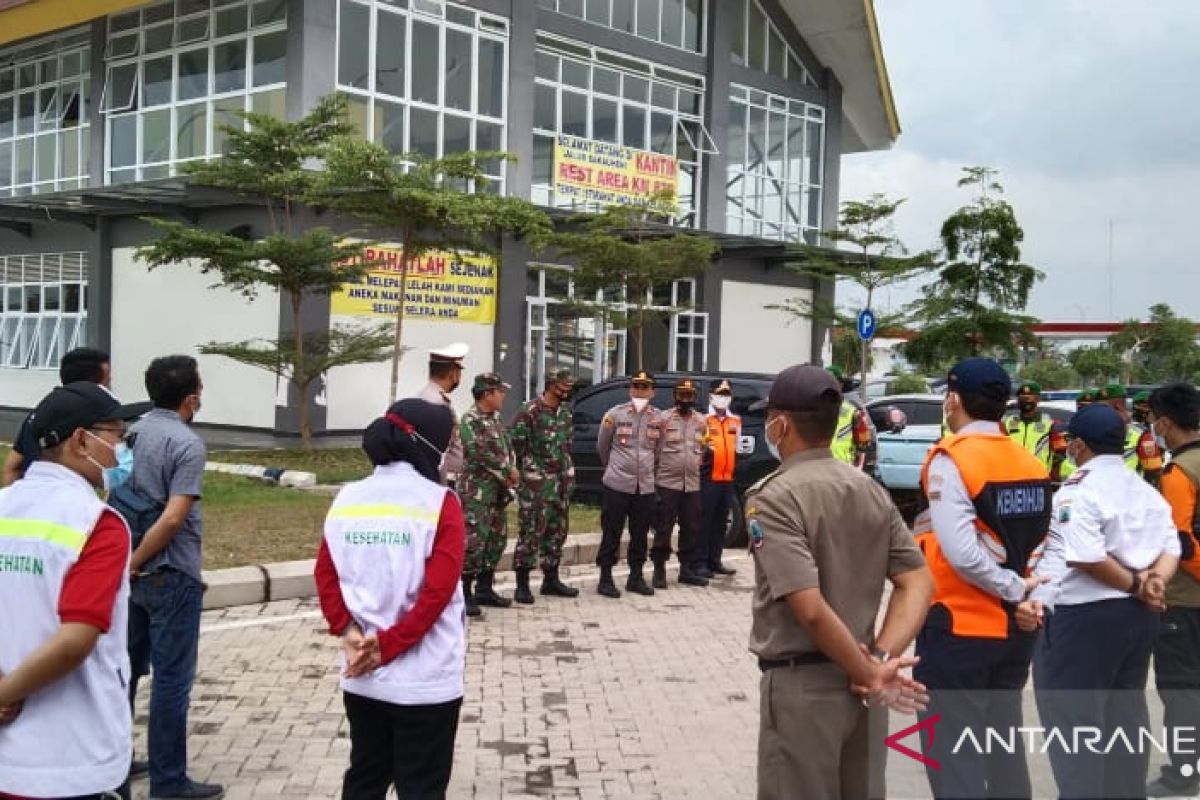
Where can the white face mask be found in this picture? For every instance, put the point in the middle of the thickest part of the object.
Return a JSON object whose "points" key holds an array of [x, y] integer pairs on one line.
{"points": [[720, 401], [773, 447], [640, 403]]}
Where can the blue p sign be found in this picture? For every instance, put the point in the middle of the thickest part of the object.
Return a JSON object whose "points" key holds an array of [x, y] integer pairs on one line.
{"points": [[866, 324]]}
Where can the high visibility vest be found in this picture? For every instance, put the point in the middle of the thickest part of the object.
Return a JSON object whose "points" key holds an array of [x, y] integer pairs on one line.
{"points": [[1142, 453], [843, 437], [1179, 485], [1034, 436], [722, 437], [380, 533], [73, 736], [1010, 490]]}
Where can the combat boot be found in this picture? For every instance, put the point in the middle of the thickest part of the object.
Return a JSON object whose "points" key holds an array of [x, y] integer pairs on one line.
{"points": [[552, 586], [637, 584], [660, 575], [690, 578], [485, 595], [606, 586], [473, 610], [523, 595]]}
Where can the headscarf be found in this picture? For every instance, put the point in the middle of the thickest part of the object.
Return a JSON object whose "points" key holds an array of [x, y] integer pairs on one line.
{"points": [[414, 431]]}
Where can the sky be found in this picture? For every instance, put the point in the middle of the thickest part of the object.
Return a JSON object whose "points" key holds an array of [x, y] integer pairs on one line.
{"points": [[1089, 109]]}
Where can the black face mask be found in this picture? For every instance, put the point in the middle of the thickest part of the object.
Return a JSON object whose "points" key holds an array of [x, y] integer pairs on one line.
{"points": [[1140, 415], [1027, 406], [685, 406]]}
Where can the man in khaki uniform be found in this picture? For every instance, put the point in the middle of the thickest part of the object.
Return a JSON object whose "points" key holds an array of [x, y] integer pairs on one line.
{"points": [[445, 373], [678, 456], [825, 537]]}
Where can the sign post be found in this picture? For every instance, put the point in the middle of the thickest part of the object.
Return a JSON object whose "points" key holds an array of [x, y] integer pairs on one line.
{"points": [[865, 327]]}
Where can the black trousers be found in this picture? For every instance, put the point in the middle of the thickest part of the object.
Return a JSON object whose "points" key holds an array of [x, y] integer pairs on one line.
{"points": [[1177, 678], [684, 507], [716, 499], [615, 508], [973, 683], [1089, 671], [409, 746]]}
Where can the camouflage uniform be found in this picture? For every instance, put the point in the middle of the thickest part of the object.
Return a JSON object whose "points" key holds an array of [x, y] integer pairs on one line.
{"points": [[541, 439], [483, 488]]}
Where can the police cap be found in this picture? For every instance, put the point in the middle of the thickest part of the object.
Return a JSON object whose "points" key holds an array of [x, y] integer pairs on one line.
{"points": [[802, 387], [981, 376]]}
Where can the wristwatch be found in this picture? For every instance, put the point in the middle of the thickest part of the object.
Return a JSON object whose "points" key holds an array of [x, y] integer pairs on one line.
{"points": [[881, 654]]}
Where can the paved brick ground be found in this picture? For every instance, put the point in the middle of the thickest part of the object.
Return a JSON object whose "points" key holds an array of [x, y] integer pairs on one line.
{"points": [[589, 698]]}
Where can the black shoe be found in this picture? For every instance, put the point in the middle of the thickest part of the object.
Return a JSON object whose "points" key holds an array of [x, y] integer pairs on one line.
{"points": [[721, 569], [700, 569], [485, 595], [473, 610], [1161, 787], [689, 578], [138, 769], [660, 576], [552, 586], [523, 595], [606, 586], [637, 584], [194, 791]]}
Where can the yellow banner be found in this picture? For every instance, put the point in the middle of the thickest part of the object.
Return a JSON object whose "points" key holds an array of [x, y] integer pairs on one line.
{"points": [[441, 287], [610, 174]]}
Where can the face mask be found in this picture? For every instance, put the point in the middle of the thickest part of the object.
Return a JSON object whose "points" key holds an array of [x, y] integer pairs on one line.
{"points": [[1027, 406], [720, 401], [195, 407], [118, 474], [773, 447], [1159, 439], [640, 403], [685, 406]]}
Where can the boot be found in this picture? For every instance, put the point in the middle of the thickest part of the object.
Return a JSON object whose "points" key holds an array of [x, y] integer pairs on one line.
{"points": [[606, 586], [637, 584], [719, 568], [473, 610], [660, 575], [701, 569], [485, 595], [523, 595], [552, 586], [689, 577]]}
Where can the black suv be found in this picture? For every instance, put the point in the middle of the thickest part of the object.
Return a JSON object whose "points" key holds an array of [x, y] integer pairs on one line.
{"points": [[754, 459]]}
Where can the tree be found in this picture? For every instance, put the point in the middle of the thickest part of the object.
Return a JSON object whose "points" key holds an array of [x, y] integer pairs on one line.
{"points": [[431, 204], [1051, 373], [879, 259], [1126, 344], [277, 162], [1097, 364], [1163, 349], [974, 305], [908, 383], [618, 251]]}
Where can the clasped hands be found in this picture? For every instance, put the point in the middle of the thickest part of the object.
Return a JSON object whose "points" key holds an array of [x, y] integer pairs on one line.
{"points": [[362, 652], [1031, 614], [10, 711], [889, 688]]}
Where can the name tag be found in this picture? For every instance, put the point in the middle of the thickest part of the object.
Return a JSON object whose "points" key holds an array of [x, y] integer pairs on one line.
{"points": [[1021, 501], [625, 431]]}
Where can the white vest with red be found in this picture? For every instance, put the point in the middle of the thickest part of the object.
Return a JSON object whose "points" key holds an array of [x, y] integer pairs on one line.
{"points": [[73, 737], [380, 533]]}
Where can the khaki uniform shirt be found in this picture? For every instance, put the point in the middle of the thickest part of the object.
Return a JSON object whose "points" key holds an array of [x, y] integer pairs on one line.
{"points": [[452, 459], [817, 522], [680, 450], [626, 445]]}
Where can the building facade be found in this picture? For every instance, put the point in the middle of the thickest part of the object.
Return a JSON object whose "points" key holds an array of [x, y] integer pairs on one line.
{"points": [[751, 102]]}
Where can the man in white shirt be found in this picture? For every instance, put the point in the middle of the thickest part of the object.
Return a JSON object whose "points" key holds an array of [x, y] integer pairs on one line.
{"points": [[1112, 547]]}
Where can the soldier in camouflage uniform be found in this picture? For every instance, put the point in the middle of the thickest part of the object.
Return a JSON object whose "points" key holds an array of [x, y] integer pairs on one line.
{"points": [[484, 486], [541, 438]]}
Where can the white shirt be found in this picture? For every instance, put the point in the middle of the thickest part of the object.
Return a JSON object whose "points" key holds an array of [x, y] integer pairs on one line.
{"points": [[1104, 510], [952, 515]]}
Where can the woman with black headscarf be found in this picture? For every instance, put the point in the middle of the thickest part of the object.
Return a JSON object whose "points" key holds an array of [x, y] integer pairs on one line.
{"points": [[388, 575]]}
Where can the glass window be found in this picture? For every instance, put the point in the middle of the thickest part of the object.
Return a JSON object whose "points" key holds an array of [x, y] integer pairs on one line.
{"points": [[491, 78], [229, 67], [458, 73], [759, 44], [633, 132], [456, 136], [156, 136], [270, 58], [426, 44], [423, 127], [123, 141], [353, 58], [192, 127], [597, 11], [757, 34], [231, 21], [545, 107], [156, 82], [193, 74], [622, 16], [574, 114], [389, 125], [672, 22], [604, 120], [647, 20], [390, 61]]}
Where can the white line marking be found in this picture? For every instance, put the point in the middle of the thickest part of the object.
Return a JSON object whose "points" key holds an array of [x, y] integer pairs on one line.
{"points": [[254, 623]]}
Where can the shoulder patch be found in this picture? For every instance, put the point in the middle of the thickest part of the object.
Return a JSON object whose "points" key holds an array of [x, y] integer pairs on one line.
{"points": [[1064, 511], [756, 533], [608, 421], [1076, 477], [760, 484]]}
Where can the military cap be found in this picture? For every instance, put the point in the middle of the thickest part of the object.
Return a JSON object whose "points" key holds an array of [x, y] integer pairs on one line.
{"points": [[642, 378], [982, 376], [835, 370], [1112, 391], [1141, 397], [1086, 395], [560, 376], [1029, 387], [487, 381], [802, 387], [721, 387], [450, 354]]}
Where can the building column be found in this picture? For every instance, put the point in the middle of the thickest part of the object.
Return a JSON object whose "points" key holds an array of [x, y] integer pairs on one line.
{"points": [[716, 115], [823, 290]]}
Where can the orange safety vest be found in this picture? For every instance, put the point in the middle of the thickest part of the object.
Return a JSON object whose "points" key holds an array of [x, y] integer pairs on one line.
{"points": [[1180, 490], [722, 437], [1010, 489]]}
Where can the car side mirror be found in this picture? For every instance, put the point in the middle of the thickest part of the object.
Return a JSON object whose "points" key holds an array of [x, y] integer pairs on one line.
{"points": [[896, 419], [745, 445]]}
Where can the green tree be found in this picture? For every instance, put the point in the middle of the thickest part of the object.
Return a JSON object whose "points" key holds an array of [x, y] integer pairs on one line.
{"points": [[1096, 364], [274, 161], [619, 251], [908, 383], [1170, 352], [1051, 373], [430, 204], [974, 305], [1126, 344], [877, 259]]}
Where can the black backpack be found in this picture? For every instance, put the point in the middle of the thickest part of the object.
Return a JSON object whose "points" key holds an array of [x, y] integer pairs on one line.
{"points": [[139, 511]]}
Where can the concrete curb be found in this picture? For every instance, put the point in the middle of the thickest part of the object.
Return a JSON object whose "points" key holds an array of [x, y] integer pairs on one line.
{"points": [[292, 580], [282, 477]]}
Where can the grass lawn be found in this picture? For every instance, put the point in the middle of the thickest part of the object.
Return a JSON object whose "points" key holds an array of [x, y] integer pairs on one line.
{"points": [[250, 522]]}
